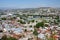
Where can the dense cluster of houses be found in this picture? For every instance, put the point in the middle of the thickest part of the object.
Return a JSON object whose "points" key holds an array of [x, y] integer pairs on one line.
{"points": [[23, 27]]}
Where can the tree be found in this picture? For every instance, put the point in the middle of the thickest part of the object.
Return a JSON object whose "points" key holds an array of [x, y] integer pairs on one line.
{"points": [[57, 19], [3, 18], [8, 38], [25, 15], [40, 24], [32, 20], [25, 30], [30, 26], [35, 32], [4, 37], [21, 21], [55, 22], [11, 38]]}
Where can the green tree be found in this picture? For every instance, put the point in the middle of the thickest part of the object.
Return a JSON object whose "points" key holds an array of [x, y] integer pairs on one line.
{"points": [[30, 26], [35, 32], [8, 38], [40, 24], [25, 30], [4, 37], [32, 20], [3, 18], [11, 38], [21, 21]]}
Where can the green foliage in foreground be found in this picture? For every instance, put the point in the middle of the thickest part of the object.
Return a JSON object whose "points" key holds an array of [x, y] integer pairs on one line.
{"points": [[9, 38]]}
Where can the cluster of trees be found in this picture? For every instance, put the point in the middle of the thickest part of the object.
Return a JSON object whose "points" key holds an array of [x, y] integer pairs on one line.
{"points": [[40, 24], [22, 22], [3, 18], [57, 20], [35, 32], [32, 20], [7, 38]]}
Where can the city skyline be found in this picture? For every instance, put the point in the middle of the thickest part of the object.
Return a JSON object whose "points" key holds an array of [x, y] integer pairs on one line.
{"points": [[29, 3]]}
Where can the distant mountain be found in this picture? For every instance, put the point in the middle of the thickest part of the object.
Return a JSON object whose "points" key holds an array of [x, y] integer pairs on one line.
{"points": [[25, 8]]}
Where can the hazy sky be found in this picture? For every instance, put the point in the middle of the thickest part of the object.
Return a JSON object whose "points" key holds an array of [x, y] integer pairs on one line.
{"points": [[29, 3]]}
